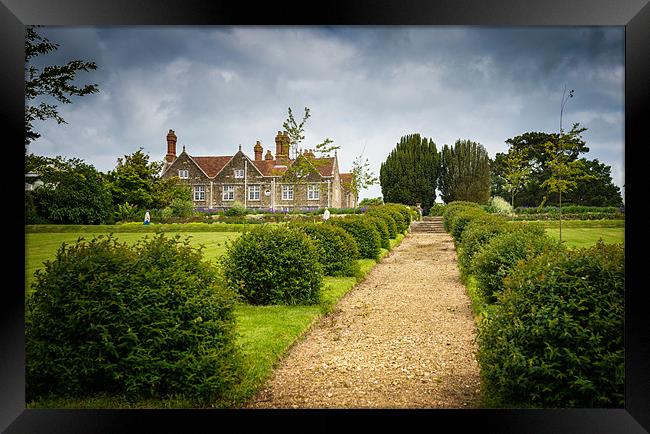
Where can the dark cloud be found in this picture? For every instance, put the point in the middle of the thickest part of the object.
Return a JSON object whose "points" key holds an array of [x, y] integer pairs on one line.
{"points": [[366, 86]]}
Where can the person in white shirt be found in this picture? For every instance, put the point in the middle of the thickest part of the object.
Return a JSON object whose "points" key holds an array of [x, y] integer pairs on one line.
{"points": [[147, 218], [326, 214]]}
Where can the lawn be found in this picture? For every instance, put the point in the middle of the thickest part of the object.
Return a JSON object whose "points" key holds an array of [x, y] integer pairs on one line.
{"points": [[264, 332], [585, 237]]}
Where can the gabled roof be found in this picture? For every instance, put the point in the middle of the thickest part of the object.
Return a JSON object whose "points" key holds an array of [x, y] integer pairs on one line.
{"points": [[346, 180], [211, 165]]}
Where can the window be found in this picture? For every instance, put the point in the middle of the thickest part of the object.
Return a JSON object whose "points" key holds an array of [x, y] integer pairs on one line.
{"points": [[239, 173], [199, 192], [254, 192], [228, 192], [287, 192], [183, 174], [313, 192]]}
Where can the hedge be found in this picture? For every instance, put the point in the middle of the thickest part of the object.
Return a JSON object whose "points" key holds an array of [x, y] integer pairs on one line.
{"points": [[555, 337]]}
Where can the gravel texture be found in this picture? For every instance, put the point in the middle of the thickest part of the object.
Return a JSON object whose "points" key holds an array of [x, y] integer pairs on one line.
{"points": [[403, 338]]}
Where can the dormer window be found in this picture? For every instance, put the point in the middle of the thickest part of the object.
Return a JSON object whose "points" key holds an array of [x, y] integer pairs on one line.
{"points": [[239, 173], [183, 174]]}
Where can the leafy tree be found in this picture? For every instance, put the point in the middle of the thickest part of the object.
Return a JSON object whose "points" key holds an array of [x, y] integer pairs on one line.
{"points": [[516, 172], [73, 192], [563, 173], [296, 135], [410, 172], [596, 190], [54, 81], [362, 176], [465, 173], [137, 180]]}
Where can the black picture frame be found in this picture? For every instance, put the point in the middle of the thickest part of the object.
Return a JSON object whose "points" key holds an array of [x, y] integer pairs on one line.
{"points": [[634, 15]]}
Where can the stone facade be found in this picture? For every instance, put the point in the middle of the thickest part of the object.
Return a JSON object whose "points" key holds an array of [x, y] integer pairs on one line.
{"points": [[218, 182]]}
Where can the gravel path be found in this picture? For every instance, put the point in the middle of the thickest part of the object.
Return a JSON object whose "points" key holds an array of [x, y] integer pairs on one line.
{"points": [[403, 338]]}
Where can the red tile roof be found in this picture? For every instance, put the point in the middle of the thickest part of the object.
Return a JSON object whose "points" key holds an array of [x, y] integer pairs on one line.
{"points": [[211, 165]]}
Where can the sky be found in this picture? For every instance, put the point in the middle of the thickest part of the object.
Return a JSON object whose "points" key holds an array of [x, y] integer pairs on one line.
{"points": [[366, 87]]}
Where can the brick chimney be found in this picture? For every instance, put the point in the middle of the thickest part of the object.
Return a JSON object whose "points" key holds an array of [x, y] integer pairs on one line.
{"points": [[171, 147], [258, 151], [281, 149], [268, 155]]}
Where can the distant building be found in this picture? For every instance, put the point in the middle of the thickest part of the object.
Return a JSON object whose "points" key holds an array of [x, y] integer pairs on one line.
{"points": [[218, 182]]}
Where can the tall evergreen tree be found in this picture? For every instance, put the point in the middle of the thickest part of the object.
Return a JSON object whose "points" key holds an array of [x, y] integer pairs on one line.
{"points": [[465, 172], [410, 173]]}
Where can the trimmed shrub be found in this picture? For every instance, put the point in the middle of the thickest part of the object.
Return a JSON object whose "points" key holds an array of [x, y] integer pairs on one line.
{"points": [[461, 219], [437, 209], [274, 265], [555, 339], [452, 209], [388, 219], [237, 210], [407, 215], [148, 321], [382, 229], [492, 263], [401, 225], [478, 233], [337, 249], [364, 233]]}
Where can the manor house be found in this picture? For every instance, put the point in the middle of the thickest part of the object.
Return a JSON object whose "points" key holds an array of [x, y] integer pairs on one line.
{"points": [[264, 183]]}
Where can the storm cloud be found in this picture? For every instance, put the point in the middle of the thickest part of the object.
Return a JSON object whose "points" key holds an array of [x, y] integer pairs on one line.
{"points": [[366, 87]]}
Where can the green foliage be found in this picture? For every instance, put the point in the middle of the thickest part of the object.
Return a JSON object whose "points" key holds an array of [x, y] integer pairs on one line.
{"points": [[478, 233], [364, 233], [53, 82], [555, 339], [73, 192], [337, 249], [437, 209], [410, 173], [125, 212], [492, 263], [453, 208], [461, 219], [133, 180], [465, 173], [382, 230], [498, 205], [148, 321], [384, 214], [274, 265], [375, 201], [237, 209], [403, 210]]}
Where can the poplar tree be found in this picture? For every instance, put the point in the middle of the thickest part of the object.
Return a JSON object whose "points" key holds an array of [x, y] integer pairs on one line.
{"points": [[410, 173], [465, 173]]}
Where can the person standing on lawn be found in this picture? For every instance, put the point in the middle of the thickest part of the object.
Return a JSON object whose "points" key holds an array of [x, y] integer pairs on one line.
{"points": [[147, 218]]}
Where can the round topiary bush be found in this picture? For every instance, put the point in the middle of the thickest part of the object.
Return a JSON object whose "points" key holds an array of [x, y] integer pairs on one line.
{"points": [[555, 338], [382, 229], [387, 218], [492, 263], [364, 233], [338, 251], [274, 265], [148, 321]]}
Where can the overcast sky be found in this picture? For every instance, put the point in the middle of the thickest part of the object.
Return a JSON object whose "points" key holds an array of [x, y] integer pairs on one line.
{"points": [[366, 87]]}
